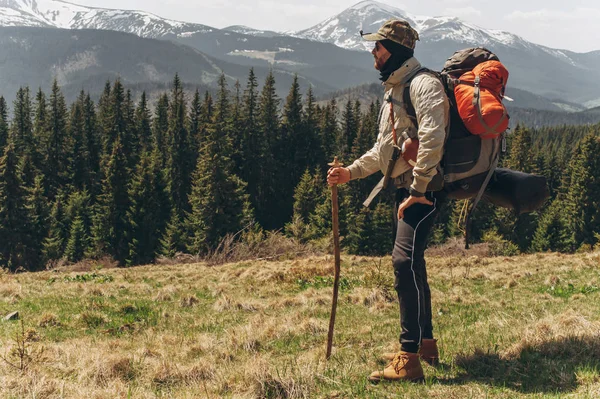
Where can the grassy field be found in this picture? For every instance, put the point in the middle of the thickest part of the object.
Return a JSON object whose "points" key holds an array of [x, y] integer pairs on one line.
{"points": [[521, 327]]}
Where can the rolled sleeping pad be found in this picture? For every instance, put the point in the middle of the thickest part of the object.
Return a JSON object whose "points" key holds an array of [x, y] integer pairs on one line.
{"points": [[520, 191]]}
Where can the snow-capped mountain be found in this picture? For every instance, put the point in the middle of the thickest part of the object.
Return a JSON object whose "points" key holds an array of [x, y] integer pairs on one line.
{"points": [[328, 52], [343, 29], [62, 14]]}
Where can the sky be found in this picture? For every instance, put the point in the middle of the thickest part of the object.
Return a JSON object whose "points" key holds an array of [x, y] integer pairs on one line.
{"points": [[571, 24]]}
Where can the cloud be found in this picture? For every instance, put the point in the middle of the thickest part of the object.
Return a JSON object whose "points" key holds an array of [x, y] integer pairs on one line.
{"points": [[575, 29], [463, 12], [550, 16]]}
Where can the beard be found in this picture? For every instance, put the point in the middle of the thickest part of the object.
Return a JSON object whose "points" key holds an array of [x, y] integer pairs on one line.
{"points": [[380, 62]]}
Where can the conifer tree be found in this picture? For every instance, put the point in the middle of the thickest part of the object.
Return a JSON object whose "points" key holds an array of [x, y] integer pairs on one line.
{"points": [[330, 130], [291, 148], [253, 145], [237, 128], [219, 202], [21, 132], [92, 143], [308, 194], [131, 141], [110, 219], [38, 217], [3, 124], [80, 166], [348, 132], [54, 244], [160, 127], [57, 151], [268, 122], [581, 203], [196, 123], [143, 120], [315, 157], [369, 231], [13, 213], [174, 238], [178, 165], [115, 120], [78, 241], [149, 210], [78, 219], [552, 233]]}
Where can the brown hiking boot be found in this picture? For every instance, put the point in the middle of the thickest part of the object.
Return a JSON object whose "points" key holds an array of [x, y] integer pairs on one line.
{"points": [[428, 352], [404, 367]]}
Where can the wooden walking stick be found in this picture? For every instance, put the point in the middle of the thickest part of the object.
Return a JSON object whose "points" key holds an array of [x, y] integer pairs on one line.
{"points": [[336, 248]]}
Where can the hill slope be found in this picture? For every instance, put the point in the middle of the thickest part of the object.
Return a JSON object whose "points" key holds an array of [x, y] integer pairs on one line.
{"points": [[85, 59]]}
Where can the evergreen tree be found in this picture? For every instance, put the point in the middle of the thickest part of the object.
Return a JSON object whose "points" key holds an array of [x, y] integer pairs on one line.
{"points": [[330, 131], [219, 203], [38, 217], [268, 122], [78, 218], [57, 151], [308, 194], [291, 149], [78, 241], [21, 132], [13, 213], [349, 131], [315, 157], [237, 128], [369, 231], [196, 124], [552, 233], [92, 143], [80, 157], [131, 141], [110, 219], [148, 213], [144, 124], [54, 244], [253, 145], [3, 124], [178, 166], [174, 237], [581, 204], [160, 127]]}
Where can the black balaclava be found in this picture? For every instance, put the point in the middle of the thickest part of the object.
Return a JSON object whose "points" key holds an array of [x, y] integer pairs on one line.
{"points": [[400, 54]]}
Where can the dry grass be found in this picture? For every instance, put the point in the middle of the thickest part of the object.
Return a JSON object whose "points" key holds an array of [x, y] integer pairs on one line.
{"points": [[518, 327]]}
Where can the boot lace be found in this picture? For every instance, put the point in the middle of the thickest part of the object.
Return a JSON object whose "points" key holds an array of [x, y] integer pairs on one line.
{"points": [[399, 362]]}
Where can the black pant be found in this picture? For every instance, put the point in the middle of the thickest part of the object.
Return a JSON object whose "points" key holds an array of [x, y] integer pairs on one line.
{"points": [[408, 259]]}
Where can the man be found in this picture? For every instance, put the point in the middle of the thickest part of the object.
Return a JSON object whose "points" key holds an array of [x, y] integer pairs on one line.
{"points": [[416, 205]]}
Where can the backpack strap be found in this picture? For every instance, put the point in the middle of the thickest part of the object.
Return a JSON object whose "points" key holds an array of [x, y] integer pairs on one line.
{"points": [[408, 105]]}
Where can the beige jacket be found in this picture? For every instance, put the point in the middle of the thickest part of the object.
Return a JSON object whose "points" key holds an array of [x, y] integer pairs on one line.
{"points": [[432, 110]]}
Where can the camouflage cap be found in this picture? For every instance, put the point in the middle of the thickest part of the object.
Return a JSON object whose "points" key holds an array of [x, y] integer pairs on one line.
{"points": [[395, 30]]}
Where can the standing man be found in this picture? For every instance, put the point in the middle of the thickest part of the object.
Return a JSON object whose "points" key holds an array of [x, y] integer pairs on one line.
{"points": [[417, 207]]}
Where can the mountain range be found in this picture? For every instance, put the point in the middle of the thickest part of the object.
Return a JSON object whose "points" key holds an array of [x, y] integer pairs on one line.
{"points": [[330, 55]]}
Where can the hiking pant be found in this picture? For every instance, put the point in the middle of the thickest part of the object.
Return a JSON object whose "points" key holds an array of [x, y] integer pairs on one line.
{"points": [[408, 258]]}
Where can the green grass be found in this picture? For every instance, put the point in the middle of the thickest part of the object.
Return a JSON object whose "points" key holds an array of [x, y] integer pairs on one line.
{"points": [[522, 327]]}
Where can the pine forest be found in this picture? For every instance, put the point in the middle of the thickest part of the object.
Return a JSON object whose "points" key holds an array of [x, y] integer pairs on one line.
{"points": [[124, 179]]}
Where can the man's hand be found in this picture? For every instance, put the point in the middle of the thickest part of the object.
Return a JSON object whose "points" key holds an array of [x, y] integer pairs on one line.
{"points": [[338, 176], [409, 202]]}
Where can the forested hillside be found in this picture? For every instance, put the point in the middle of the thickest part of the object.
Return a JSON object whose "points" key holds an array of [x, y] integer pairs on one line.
{"points": [[122, 180]]}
